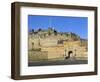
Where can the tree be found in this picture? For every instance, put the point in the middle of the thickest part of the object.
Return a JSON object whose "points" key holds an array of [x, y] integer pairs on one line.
{"points": [[55, 32], [32, 30], [39, 29]]}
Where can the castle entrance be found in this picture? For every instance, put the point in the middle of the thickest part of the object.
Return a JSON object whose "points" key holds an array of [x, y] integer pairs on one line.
{"points": [[70, 54]]}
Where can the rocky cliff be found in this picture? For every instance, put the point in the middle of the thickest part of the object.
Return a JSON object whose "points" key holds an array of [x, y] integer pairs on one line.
{"points": [[53, 34]]}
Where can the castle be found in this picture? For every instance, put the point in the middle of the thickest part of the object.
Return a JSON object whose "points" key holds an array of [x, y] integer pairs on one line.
{"points": [[52, 45]]}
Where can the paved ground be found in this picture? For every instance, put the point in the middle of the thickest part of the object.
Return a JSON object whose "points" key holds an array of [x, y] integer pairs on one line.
{"points": [[58, 62]]}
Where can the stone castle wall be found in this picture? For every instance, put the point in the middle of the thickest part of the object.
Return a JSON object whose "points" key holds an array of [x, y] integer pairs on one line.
{"points": [[50, 49], [54, 52], [37, 55]]}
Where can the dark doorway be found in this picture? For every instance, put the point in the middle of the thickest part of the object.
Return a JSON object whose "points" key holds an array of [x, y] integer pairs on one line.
{"points": [[69, 55]]}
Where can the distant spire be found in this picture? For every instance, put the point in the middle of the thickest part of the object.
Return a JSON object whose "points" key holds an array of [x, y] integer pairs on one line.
{"points": [[50, 22]]}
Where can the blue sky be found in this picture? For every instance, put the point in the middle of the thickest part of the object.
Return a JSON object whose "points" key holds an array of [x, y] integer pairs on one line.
{"points": [[78, 25]]}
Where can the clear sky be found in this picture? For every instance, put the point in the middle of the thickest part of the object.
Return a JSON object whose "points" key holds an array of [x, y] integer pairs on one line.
{"points": [[78, 25]]}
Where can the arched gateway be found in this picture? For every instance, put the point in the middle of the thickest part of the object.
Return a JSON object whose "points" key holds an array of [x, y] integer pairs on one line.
{"points": [[70, 54]]}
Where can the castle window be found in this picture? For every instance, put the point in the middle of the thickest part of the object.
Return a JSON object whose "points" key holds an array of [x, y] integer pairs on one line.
{"points": [[60, 42]]}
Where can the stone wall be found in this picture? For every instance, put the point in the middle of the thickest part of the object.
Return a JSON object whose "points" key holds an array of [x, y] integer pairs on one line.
{"points": [[50, 49], [37, 55], [55, 52]]}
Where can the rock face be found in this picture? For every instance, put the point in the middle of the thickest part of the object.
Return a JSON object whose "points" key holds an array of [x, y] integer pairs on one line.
{"points": [[55, 45]]}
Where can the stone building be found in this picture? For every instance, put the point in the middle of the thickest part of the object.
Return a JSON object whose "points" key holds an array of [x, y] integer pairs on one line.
{"points": [[56, 47]]}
